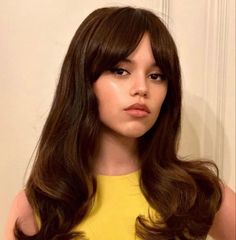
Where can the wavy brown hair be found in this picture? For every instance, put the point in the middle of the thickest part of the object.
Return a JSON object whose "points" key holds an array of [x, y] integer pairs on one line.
{"points": [[62, 184]]}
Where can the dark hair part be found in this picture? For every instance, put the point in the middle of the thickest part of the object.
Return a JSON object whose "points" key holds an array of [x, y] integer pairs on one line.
{"points": [[62, 184]]}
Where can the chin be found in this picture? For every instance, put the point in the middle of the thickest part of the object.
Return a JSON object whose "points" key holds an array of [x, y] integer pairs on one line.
{"points": [[135, 133], [130, 131]]}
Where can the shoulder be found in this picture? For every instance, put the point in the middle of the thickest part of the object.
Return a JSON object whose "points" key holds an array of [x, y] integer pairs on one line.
{"points": [[223, 227], [22, 211]]}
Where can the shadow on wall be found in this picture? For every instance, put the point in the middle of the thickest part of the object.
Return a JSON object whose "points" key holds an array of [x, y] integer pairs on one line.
{"points": [[202, 134]]}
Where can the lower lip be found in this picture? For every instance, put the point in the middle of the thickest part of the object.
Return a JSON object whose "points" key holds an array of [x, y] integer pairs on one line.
{"points": [[137, 113]]}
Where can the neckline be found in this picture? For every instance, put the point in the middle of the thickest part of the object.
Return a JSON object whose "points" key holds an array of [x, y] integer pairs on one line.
{"points": [[127, 175]]}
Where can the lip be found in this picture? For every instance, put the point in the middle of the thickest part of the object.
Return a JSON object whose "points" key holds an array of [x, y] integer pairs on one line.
{"points": [[137, 110]]}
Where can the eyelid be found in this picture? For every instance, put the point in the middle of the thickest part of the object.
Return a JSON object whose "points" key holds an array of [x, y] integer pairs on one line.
{"points": [[115, 69], [124, 72], [159, 75]]}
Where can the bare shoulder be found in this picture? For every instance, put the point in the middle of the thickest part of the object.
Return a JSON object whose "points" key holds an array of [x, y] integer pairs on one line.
{"points": [[20, 210], [224, 224]]}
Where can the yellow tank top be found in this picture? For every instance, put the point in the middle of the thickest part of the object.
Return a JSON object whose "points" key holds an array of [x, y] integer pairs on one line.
{"points": [[118, 202]]}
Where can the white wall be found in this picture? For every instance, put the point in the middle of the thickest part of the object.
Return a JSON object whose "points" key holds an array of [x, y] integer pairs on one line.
{"points": [[34, 39]]}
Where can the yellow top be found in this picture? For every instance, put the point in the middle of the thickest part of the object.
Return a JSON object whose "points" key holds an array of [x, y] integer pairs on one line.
{"points": [[118, 202]]}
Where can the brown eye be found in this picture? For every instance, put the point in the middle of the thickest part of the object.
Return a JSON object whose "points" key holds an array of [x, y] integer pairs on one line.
{"points": [[119, 71], [157, 76]]}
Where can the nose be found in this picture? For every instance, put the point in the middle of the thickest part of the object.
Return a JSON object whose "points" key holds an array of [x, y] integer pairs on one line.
{"points": [[139, 87]]}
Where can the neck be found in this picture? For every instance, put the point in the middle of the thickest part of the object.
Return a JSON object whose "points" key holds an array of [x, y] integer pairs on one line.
{"points": [[117, 154]]}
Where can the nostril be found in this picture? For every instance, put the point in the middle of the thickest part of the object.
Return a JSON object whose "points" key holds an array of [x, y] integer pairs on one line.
{"points": [[140, 92]]}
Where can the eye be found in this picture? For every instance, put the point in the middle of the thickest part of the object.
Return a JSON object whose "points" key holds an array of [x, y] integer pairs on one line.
{"points": [[157, 76], [119, 71]]}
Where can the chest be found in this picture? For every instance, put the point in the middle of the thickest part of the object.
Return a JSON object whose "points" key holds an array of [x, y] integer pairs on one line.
{"points": [[118, 202]]}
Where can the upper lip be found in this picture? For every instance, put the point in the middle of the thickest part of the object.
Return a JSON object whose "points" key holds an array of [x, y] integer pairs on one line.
{"points": [[138, 106]]}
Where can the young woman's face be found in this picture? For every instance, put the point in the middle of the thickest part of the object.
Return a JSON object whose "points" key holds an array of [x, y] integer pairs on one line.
{"points": [[131, 94]]}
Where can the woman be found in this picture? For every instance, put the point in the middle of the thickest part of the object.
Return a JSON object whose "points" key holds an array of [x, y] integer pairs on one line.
{"points": [[106, 166]]}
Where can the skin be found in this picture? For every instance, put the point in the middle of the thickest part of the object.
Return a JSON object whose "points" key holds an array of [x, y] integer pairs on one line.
{"points": [[224, 224], [135, 80], [118, 153]]}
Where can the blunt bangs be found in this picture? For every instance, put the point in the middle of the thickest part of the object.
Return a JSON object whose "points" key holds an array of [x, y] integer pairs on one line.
{"points": [[115, 38], [117, 35]]}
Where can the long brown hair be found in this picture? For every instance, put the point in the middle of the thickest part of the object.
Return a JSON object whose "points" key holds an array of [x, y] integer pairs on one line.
{"points": [[62, 184]]}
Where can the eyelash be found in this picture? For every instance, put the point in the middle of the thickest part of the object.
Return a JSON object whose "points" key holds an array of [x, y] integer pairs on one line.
{"points": [[159, 76], [116, 71], [119, 72]]}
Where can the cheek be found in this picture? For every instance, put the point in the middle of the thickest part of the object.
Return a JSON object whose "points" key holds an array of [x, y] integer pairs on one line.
{"points": [[160, 97], [108, 104], [157, 104], [107, 101], [163, 96], [106, 90]]}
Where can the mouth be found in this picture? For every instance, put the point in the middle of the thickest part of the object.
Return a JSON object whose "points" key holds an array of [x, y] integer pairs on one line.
{"points": [[138, 110]]}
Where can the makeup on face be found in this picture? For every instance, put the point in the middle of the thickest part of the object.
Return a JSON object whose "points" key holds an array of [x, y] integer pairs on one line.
{"points": [[131, 93]]}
